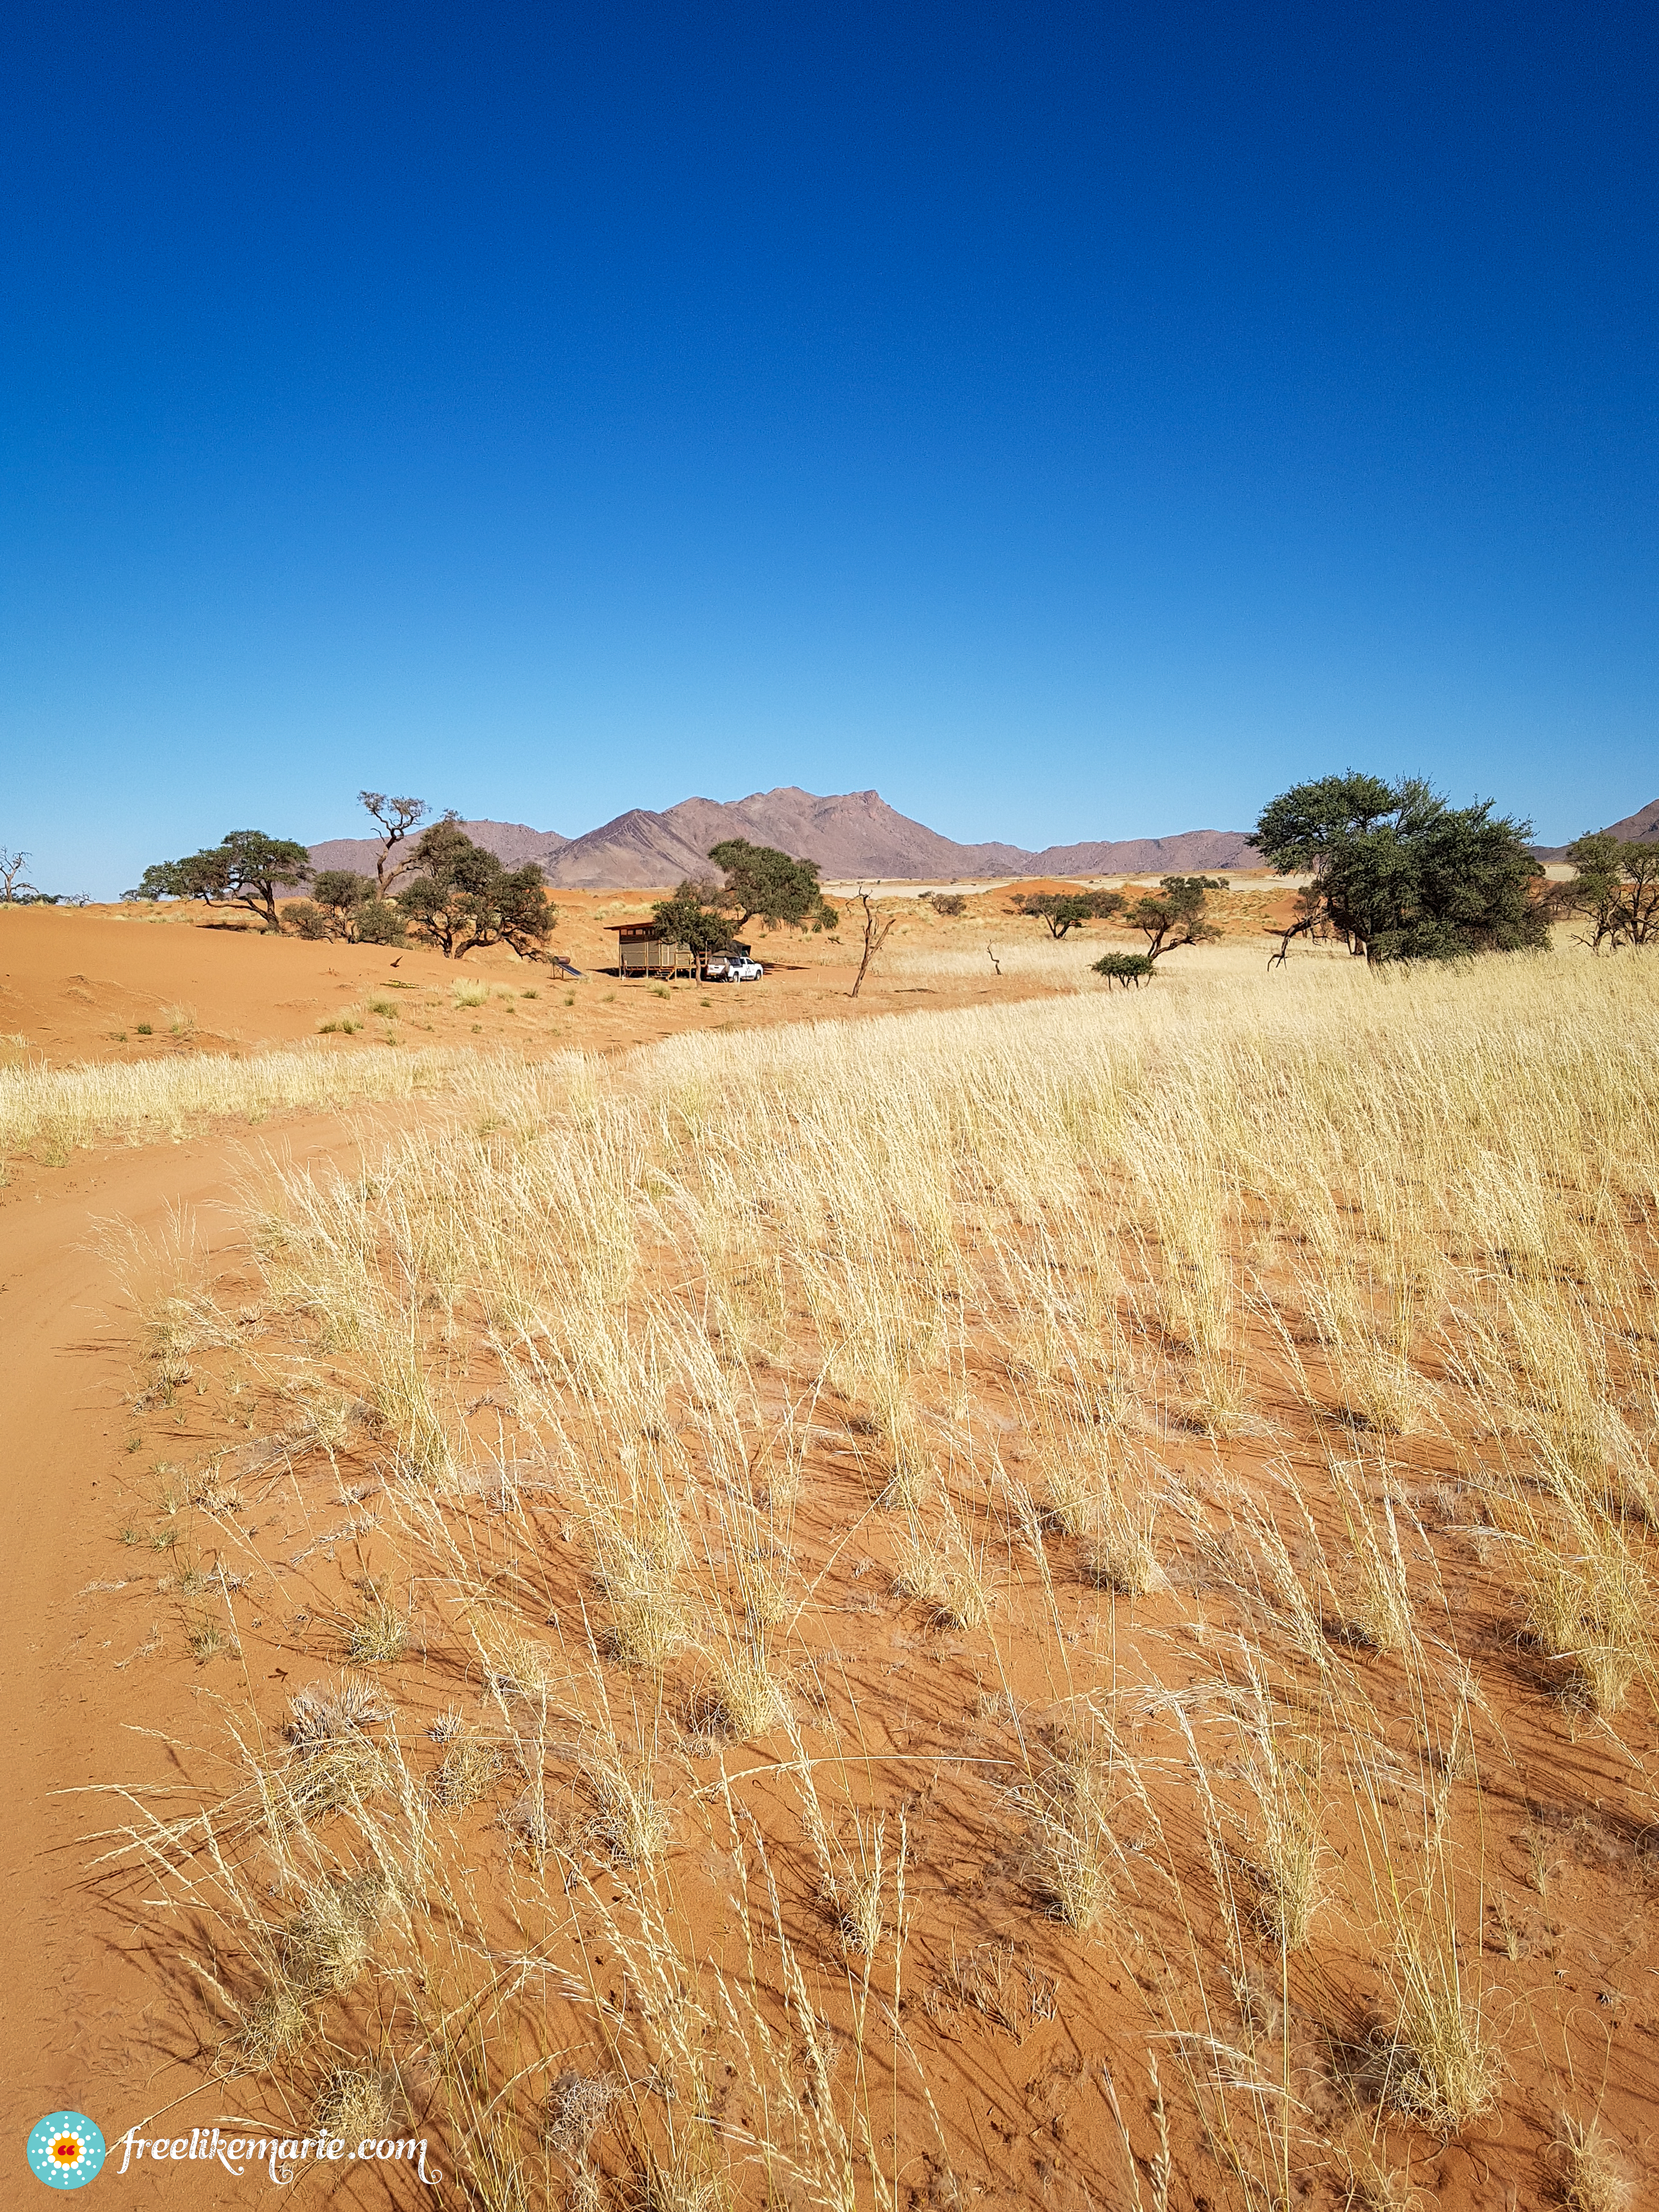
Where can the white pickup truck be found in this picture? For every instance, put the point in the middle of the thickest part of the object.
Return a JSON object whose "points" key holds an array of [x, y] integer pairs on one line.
{"points": [[732, 968]]}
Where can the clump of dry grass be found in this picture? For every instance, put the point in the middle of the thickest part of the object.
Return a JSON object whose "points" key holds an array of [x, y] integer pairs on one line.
{"points": [[945, 1577], [322, 1713], [1118, 1550], [380, 1634], [1442, 2066], [327, 1944], [631, 1821], [1592, 1610], [1070, 1849], [743, 1696], [359, 2102], [1593, 2178], [467, 1771]]}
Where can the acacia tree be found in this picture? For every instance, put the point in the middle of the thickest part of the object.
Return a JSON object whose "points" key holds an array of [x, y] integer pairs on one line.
{"points": [[344, 906], [765, 884], [246, 868], [695, 918], [1399, 874], [14, 891], [1173, 915], [396, 819], [465, 900], [1616, 890], [1068, 910]]}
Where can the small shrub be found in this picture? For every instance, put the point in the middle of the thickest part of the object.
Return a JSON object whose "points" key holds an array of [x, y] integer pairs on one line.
{"points": [[1124, 968]]}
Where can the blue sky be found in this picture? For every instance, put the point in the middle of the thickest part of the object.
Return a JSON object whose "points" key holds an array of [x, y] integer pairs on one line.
{"points": [[1072, 421]]}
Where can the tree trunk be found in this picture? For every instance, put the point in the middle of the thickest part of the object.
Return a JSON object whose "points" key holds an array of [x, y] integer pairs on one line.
{"points": [[874, 938]]}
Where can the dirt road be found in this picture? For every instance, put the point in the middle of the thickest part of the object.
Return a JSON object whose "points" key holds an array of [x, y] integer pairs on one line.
{"points": [[89, 1651]]}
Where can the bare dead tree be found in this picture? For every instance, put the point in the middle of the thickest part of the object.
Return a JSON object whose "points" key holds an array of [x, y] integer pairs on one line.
{"points": [[396, 817], [992, 951], [12, 866], [875, 936]]}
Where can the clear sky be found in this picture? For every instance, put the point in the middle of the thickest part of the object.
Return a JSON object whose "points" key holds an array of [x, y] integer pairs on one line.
{"points": [[1071, 421]]}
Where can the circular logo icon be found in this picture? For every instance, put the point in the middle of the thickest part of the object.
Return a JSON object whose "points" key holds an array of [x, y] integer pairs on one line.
{"points": [[65, 2150]]}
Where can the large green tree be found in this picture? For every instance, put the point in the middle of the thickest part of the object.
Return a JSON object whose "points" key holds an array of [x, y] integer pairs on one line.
{"points": [[1399, 873], [765, 885], [246, 868], [465, 900], [696, 917]]}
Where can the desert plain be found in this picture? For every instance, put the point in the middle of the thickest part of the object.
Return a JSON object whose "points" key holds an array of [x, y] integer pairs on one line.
{"points": [[1011, 1591]]}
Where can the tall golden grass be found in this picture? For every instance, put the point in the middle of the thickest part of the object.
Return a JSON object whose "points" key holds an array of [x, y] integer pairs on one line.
{"points": [[50, 1111], [813, 1465]]}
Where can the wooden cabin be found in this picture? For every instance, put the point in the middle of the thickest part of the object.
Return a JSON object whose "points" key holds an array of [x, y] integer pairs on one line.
{"points": [[642, 950]]}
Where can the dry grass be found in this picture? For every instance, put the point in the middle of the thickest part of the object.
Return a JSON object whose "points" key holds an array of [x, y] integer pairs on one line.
{"points": [[1593, 2178], [1099, 1466], [52, 1110]]}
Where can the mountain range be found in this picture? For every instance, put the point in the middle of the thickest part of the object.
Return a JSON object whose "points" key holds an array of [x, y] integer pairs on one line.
{"points": [[851, 834], [1640, 828]]}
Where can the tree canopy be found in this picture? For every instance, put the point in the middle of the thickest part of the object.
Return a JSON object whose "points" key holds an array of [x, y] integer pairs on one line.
{"points": [[1616, 891], [1124, 968], [347, 907], [396, 819], [465, 900], [695, 918], [1400, 874], [246, 868], [763, 884], [1173, 915], [1068, 910]]}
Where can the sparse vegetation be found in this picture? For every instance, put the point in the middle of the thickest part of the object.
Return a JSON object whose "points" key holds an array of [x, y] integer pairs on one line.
{"points": [[904, 1527]]}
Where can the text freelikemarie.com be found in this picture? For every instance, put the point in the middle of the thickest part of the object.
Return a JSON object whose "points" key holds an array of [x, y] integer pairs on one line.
{"points": [[283, 2155]]}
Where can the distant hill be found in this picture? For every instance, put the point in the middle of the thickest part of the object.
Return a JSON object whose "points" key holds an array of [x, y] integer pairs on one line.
{"points": [[850, 835], [515, 842], [1643, 826]]}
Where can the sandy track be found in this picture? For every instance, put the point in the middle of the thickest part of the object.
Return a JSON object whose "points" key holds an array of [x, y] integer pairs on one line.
{"points": [[81, 2025]]}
